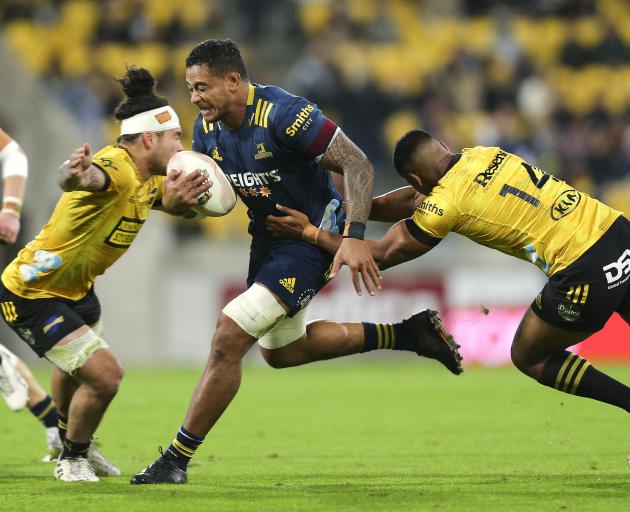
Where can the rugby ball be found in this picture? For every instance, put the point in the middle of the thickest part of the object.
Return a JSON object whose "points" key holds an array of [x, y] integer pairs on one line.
{"points": [[222, 198]]}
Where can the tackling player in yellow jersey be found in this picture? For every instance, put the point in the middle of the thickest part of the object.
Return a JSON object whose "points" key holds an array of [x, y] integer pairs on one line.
{"points": [[47, 295], [501, 201]]}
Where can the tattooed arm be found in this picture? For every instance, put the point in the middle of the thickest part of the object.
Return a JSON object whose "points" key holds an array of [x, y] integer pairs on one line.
{"points": [[78, 173], [344, 157]]}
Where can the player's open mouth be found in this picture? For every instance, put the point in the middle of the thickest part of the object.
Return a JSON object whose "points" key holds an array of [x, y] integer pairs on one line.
{"points": [[205, 110]]}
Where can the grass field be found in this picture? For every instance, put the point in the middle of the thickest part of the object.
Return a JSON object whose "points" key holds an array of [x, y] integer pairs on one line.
{"points": [[371, 434]]}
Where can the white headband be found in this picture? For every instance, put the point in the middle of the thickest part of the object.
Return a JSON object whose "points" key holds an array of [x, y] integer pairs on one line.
{"points": [[156, 120]]}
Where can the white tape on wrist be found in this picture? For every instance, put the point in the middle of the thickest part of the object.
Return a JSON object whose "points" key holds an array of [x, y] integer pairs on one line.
{"points": [[13, 160]]}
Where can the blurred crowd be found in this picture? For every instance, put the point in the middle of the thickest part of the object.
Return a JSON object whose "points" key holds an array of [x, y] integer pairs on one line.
{"points": [[543, 78]]}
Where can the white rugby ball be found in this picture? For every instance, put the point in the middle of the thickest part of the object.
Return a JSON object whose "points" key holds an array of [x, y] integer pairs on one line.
{"points": [[222, 198]]}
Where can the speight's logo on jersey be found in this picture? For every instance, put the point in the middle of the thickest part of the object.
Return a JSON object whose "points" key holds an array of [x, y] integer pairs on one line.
{"points": [[566, 202], [300, 120], [248, 179], [427, 207], [215, 155], [485, 177], [125, 232], [618, 271]]}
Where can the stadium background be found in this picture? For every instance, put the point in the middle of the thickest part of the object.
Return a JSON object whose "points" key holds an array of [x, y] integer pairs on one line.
{"points": [[544, 78]]}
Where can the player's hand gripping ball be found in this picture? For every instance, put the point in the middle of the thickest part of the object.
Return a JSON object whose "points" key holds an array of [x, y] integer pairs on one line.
{"points": [[222, 198]]}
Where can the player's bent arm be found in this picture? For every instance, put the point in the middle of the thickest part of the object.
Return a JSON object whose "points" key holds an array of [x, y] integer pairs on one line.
{"points": [[396, 205], [92, 179], [397, 246], [343, 156]]}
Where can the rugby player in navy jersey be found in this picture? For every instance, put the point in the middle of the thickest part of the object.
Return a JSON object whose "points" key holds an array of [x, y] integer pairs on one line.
{"points": [[278, 148], [501, 201]]}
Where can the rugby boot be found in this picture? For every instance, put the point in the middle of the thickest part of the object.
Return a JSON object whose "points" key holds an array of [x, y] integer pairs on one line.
{"points": [[162, 471], [75, 469], [433, 341], [102, 466], [55, 446], [13, 387]]}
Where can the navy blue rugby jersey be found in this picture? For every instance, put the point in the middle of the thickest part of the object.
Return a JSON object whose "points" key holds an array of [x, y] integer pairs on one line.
{"points": [[272, 158]]}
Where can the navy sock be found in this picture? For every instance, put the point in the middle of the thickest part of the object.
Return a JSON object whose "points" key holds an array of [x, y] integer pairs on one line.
{"points": [[570, 373], [182, 448], [72, 449], [62, 425], [388, 336], [46, 412]]}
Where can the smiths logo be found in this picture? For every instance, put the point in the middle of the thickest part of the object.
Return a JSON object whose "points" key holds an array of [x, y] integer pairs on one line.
{"points": [[262, 153], [301, 118], [215, 155], [124, 233], [427, 207], [288, 283], [565, 204], [485, 177], [618, 271]]}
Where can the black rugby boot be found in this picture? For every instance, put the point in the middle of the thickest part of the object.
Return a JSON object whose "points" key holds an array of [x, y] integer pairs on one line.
{"points": [[162, 471]]}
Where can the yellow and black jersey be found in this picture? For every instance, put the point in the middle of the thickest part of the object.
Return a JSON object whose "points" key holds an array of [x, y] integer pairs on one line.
{"points": [[497, 199], [87, 232]]}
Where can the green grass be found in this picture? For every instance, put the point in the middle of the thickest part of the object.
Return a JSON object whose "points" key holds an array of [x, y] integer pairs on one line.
{"points": [[367, 434]]}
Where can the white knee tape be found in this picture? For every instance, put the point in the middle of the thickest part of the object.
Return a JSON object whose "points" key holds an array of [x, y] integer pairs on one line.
{"points": [[255, 311], [74, 354], [285, 331]]}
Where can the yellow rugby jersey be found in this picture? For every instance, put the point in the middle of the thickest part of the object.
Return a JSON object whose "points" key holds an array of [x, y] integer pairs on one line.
{"points": [[87, 232], [498, 200]]}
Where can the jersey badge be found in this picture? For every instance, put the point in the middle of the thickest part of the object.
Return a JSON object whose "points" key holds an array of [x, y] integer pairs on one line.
{"points": [[215, 155], [262, 153]]}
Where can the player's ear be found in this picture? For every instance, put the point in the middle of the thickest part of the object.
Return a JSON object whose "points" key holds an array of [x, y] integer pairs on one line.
{"points": [[232, 80], [148, 140]]}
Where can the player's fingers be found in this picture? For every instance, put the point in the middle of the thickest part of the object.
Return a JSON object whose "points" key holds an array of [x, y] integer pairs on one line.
{"points": [[368, 281], [86, 149], [335, 267], [356, 281]]}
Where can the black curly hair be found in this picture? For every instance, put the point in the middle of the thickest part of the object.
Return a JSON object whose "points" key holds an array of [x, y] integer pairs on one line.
{"points": [[220, 56], [406, 147], [139, 87]]}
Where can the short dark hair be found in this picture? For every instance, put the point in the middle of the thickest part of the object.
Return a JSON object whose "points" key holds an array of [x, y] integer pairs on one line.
{"points": [[220, 56], [139, 87], [406, 146]]}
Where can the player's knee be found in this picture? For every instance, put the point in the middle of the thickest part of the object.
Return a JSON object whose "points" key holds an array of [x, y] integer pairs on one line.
{"points": [[276, 359], [229, 342]]}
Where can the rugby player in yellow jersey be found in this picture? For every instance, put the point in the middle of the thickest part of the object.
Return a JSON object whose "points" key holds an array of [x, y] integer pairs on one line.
{"points": [[47, 295], [501, 201]]}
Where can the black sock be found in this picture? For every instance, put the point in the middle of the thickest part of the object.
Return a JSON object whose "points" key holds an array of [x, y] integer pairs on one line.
{"points": [[46, 412], [182, 448], [388, 336], [72, 449], [570, 373], [62, 426]]}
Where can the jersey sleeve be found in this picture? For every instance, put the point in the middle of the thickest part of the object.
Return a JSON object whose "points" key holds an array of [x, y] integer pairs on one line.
{"points": [[117, 168], [302, 127], [198, 143], [433, 219]]}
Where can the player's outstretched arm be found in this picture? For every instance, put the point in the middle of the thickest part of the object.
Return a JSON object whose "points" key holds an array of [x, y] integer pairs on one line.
{"points": [[396, 205], [343, 156], [78, 172], [397, 246], [14, 164]]}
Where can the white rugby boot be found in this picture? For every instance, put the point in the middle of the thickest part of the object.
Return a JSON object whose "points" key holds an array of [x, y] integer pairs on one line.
{"points": [[102, 466], [13, 387], [77, 469], [55, 446]]}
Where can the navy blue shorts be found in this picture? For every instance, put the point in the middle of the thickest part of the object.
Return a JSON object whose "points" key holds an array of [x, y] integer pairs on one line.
{"points": [[294, 270], [42, 323]]}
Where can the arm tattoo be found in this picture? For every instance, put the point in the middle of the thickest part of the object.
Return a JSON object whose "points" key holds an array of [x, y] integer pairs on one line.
{"points": [[345, 157]]}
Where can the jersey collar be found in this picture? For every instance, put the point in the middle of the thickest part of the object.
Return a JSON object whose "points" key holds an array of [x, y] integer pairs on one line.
{"points": [[250, 94]]}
